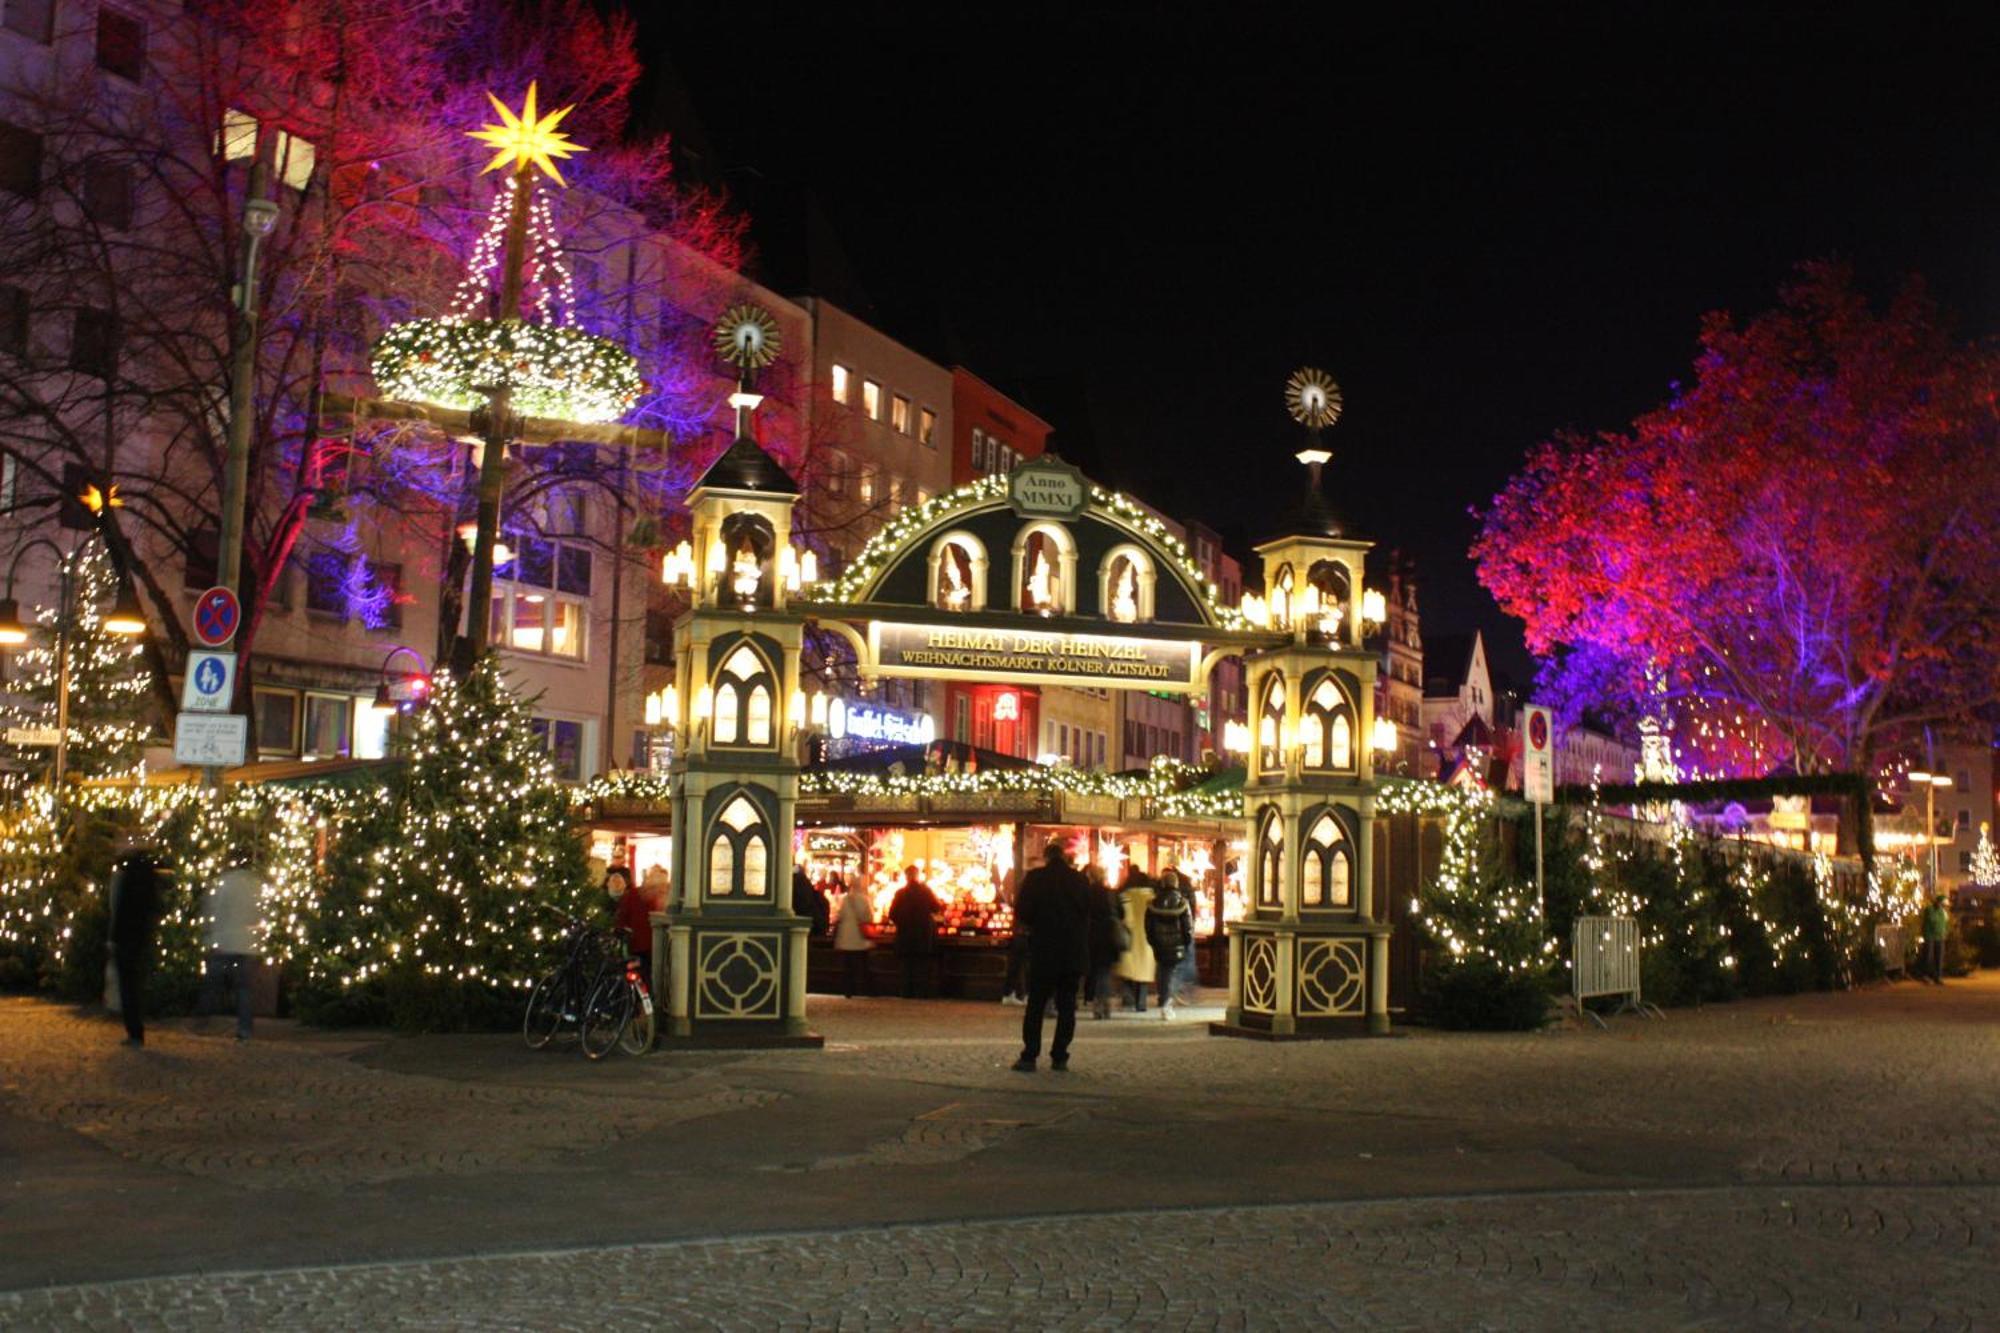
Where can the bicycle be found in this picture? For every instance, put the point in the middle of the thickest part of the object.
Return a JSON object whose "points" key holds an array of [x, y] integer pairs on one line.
{"points": [[564, 994], [619, 1012]]}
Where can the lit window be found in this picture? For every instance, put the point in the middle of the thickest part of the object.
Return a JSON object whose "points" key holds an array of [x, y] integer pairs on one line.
{"points": [[1328, 866], [871, 399], [1270, 860], [927, 427], [529, 620], [327, 726], [868, 485], [839, 383], [899, 413]]}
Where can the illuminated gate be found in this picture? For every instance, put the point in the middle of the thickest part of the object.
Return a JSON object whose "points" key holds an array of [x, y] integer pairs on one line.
{"points": [[1037, 577]]}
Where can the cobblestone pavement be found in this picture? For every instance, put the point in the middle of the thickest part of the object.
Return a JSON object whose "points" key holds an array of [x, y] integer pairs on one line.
{"points": [[265, 1115], [1729, 1259], [1814, 1160]]}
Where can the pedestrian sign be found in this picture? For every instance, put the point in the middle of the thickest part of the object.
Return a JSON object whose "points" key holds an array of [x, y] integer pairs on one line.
{"points": [[217, 613], [210, 685]]}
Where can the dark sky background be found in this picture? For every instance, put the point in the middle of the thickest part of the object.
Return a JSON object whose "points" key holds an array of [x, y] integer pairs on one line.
{"points": [[1488, 223]]}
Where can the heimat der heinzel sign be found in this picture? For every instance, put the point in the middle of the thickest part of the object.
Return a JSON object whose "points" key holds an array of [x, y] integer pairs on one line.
{"points": [[1047, 487]]}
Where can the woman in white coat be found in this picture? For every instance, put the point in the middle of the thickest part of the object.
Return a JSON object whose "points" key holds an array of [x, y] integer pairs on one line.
{"points": [[1135, 965], [850, 941]]}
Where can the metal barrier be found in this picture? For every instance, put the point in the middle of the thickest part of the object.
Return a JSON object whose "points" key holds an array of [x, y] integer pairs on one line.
{"points": [[1893, 948], [1604, 960]]}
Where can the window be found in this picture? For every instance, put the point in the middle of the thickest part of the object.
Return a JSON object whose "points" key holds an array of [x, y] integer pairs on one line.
{"points": [[836, 472], [93, 343], [1328, 739], [659, 638], [871, 399], [389, 581], [927, 427], [1270, 725], [739, 852], [13, 321], [563, 742], [840, 379], [328, 718], [899, 414], [528, 620], [564, 566], [107, 194], [33, 19], [326, 583], [1965, 779], [745, 695], [121, 44], [1270, 859], [277, 721], [292, 156], [1328, 866], [868, 485], [978, 450], [20, 161], [1964, 820], [923, 497]]}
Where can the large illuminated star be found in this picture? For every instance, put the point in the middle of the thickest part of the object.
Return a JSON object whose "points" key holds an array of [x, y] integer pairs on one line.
{"points": [[527, 140]]}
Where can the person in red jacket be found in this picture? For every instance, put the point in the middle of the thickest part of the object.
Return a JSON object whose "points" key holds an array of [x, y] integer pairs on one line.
{"points": [[632, 916]]}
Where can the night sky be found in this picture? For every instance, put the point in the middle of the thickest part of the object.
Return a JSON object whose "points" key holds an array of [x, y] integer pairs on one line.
{"points": [[1487, 224]]}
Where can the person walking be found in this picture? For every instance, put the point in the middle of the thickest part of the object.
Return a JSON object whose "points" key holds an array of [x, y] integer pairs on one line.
{"points": [[1937, 925], [1170, 933], [1014, 989], [135, 910], [632, 913], [230, 912], [914, 913], [850, 941], [1108, 939], [1058, 908], [1134, 968]]}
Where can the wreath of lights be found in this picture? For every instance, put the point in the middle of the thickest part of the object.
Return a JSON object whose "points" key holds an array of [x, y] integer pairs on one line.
{"points": [[554, 371], [909, 524]]}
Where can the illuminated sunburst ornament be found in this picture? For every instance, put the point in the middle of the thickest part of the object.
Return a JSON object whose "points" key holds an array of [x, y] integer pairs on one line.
{"points": [[527, 140], [1312, 398], [747, 337]]}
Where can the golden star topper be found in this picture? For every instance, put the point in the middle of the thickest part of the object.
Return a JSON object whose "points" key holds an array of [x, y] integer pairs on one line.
{"points": [[527, 140]]}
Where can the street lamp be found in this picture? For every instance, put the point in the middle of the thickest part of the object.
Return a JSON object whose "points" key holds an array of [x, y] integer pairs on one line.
{"points": [[1930, 782], [125, 618]]}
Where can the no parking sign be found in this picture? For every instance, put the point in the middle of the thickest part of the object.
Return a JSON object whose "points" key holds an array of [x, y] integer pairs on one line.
{"points": [[216, 616]]}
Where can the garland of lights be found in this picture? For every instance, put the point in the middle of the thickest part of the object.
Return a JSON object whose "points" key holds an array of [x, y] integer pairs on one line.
{"points": [[982, 492], [554, 371]]}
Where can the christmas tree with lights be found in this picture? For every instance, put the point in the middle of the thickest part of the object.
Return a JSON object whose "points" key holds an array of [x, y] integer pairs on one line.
{"points": [[1985, 867], [438, 900], [109, 711]]}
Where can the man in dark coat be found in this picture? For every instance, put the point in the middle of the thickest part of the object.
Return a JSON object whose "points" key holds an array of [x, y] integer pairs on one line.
{"points": [[135, 909], [914, 912], [1057, 910], [809, 902]]}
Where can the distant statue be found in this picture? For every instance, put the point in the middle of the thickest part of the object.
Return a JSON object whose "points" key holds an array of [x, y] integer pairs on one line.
{"points": [[744, 574], [957, 592], [1125, 596], [1041, 584]]}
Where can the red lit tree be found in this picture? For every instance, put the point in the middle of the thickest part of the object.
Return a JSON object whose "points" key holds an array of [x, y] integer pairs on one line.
{"points": [[1795, 556]]}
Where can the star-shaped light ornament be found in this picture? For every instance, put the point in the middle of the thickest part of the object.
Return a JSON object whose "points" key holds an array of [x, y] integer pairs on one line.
{"points": [[527, 140], [747, 336], [1312, 398]]}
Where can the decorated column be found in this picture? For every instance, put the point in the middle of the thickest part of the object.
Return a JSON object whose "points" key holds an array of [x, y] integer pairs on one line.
{"points": [[735, 955], [1308, 958]]}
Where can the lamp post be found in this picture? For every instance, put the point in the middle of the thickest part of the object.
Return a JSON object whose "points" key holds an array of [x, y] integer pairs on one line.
{"points": [[1930, 782], [125, 618]]}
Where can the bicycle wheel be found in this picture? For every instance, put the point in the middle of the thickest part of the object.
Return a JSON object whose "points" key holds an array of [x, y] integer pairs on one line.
{"points": [[640, 1031], [545, 1010], [605, 1015]]}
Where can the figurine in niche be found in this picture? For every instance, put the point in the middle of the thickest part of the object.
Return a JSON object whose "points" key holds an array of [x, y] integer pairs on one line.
{"points": [[744, 574], [1125, 596], [1041, 589], [957, 592]]}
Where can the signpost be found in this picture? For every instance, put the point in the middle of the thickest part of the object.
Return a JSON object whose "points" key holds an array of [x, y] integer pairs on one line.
{"points": [[1538, 776], [211, 740], [210, 683]]}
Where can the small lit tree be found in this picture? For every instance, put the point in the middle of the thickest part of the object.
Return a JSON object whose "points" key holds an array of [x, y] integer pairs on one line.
{"points": [[1985, 868], [110, 714]]}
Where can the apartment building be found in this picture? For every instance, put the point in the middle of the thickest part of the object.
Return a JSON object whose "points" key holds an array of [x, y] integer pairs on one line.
{"points": [[1399, 686], [991, 433]]}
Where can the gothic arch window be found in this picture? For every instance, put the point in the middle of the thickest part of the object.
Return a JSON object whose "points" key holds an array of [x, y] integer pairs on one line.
{"points": [[1270, 859], [746, 692], [1283, 588], [739, 851], [1326, 871], [958, 573], [1125, 579], [1328, 727], [1045, 570], [1332, 589], [1271, 724]]}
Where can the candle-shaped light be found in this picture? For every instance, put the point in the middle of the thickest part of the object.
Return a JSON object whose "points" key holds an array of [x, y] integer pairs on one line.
{"points": [[818, 709], [1374, 607], [670, 706], [704, 704]]}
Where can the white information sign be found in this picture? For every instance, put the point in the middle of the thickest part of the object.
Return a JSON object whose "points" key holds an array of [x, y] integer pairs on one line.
{"points": [[32, 735], [211, 740], [210, 683], [1538, 752]]}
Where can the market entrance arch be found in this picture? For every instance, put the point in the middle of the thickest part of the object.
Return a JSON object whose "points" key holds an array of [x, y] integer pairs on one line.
{"points": [[1038, 577]]}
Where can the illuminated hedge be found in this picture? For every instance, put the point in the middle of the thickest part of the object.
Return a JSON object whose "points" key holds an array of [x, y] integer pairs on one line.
{"points": [[556, 372]]}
